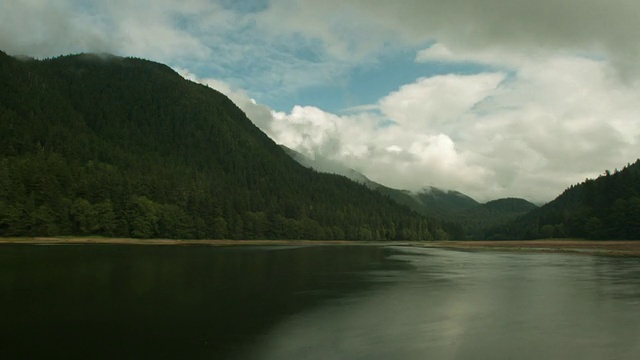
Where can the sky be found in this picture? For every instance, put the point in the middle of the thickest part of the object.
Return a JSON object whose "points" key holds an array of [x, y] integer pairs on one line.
{"points": [[493, 98]]}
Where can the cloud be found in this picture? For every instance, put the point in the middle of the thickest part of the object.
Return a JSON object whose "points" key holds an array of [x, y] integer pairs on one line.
{"points": [[43, 28], [509, 26], [439, 102], [279, 47], [531, 133], [492, 58], [325, 38], [220, 39]]}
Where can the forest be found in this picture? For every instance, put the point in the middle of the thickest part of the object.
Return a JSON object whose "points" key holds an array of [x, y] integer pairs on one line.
{"points": [[123, 147], [605, 208]]}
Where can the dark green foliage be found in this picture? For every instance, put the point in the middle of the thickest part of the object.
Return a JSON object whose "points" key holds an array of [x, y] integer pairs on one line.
{"points": [[102, 145], [446, 203], [478, 219], [459, 215], [605, 208]]}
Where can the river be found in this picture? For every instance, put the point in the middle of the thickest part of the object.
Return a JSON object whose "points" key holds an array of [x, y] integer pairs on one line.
{"points": [[314, 302]]}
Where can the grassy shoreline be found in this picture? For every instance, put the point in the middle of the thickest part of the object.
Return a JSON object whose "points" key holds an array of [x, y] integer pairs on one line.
{"points": [[617, 247]]}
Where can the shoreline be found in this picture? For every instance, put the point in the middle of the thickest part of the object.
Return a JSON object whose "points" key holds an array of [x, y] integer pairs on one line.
{"points": [[594, 247], [169, 242], [573, 246]]}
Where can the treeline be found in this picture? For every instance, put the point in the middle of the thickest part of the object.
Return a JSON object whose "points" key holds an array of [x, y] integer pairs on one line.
{"points": [[478, 219], [101, 145], [605, 208], [463, 217]]}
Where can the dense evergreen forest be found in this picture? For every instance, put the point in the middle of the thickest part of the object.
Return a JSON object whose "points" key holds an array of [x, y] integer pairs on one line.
{"points": [[478, 219], [605, 208], [462, 216], [103, 145]]}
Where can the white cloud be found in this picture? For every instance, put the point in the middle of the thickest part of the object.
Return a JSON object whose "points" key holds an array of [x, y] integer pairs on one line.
{"points": [[521, 27], [547, 124], [440, 53], [44, 28], [439, 102], [533, 133]]}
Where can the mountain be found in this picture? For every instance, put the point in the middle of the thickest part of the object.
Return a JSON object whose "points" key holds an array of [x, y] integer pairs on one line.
{"points": [[472, 217], [463, 216], [104, 145], [479, 218], [430, 200], [445, 202], [324, 165], [605, 208]]}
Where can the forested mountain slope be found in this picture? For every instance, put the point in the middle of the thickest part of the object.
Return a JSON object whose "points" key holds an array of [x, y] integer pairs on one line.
{"points": [[97, 144], [605, 208], [446, 203], [328, 166], [463, 217], [494, 213]]}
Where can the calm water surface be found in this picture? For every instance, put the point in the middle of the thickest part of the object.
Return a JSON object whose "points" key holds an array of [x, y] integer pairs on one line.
{"points": [[324, 302]]}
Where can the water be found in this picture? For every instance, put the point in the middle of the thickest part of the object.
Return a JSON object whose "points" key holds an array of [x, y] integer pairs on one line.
{"points": [[325, 302]]}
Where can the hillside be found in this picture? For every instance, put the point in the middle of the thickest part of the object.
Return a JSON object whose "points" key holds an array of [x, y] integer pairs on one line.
{"points": [[479, 218], [445, 202], [605, 208], [462, 216], [430, 200], [103, 145], [327, 166]]}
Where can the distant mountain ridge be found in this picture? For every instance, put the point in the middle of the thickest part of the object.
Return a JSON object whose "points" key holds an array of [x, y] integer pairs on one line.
{"points": [[493, 213], [447, 202], [324, 165], [448, 205], [604, 208], [430, 200]]}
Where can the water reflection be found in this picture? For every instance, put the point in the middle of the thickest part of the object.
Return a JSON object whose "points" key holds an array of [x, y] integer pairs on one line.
{"points": [[471, 305], [161, 302], [315, 303]]}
